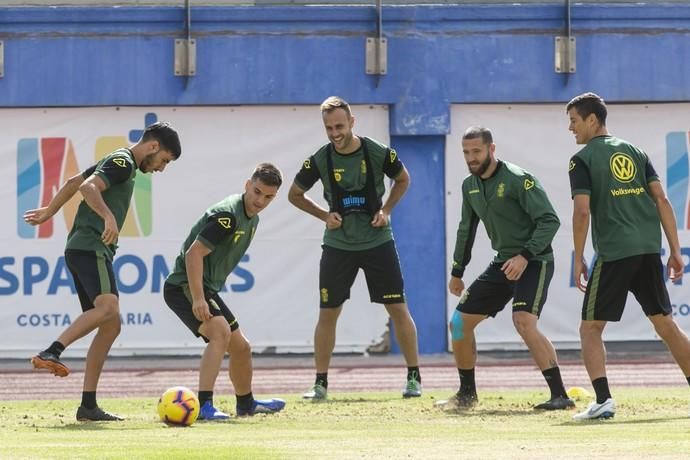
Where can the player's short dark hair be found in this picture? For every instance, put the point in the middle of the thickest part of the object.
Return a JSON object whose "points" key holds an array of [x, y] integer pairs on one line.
{"points": [[166, 136], [333, 103], [587, 104], [473, 132], [269, 174]]}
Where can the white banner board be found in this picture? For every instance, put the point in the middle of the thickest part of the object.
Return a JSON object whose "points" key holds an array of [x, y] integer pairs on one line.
{"points": [[274, 290], [536, 137]]}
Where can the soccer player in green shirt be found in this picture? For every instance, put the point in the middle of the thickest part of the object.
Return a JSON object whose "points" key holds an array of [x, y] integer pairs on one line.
{"points": [[214, 247], [358, 235], [107, 189], [614, 184], [521, 223]]}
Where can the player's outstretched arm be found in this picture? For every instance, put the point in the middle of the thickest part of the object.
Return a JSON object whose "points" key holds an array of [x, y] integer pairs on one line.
{"points": [[67, 191]]}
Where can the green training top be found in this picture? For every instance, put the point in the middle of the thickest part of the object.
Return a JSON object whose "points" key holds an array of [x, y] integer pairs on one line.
{"points": [[516, 212], [350, 172], [224, 228], [117, 170], [616, 175]]}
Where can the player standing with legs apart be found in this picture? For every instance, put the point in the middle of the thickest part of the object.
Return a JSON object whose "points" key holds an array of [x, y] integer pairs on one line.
{"points": [[358, 235], [91, 244], [521, 223], [614, 184], [214, 247]]}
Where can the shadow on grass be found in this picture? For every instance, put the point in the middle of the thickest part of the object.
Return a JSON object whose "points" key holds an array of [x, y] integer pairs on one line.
{"points": [[613, 421], [124, 426], [487, 412], [344, 400]]}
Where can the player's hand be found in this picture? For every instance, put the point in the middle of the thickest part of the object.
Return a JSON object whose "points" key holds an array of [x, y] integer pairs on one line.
{"points": [[37, 216], [110, 232], [456, 286], [514, 267], [380, 219], [580, 275], [334, 220], [201, 310], [675, 267]]}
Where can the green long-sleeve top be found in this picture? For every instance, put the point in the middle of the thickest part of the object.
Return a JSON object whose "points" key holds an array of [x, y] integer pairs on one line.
{"points": [[516, 212]]}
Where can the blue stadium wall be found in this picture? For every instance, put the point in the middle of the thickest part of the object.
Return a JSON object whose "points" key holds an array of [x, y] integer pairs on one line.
{"points": [[437, 56]]}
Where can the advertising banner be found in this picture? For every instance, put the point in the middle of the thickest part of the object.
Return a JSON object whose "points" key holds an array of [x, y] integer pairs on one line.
{"points": [[536, 137], [273, 291]]}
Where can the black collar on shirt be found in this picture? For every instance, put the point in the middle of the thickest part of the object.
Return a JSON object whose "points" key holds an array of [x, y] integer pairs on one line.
{"points": [[499, 165]]}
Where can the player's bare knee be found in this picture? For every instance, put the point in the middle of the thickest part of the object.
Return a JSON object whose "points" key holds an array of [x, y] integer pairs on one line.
{"points": [[217, 331], [666, 328], [239, 347], [591, 330], [242, 347], [525, 323], [111, 313]]}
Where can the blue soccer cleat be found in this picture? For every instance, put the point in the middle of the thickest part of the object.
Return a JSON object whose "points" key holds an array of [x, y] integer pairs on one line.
{"points": [[211, 414], [262, 406]]}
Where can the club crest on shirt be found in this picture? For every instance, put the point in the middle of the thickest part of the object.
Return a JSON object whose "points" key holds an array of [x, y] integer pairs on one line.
{"points": [[501, 190], [225, 222], [622, 167]]}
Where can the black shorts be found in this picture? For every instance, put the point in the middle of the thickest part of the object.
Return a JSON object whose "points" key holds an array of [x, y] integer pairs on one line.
{"points": [[490, 292], [609, 283], [93, 275], [381, 266], [179, 300]]}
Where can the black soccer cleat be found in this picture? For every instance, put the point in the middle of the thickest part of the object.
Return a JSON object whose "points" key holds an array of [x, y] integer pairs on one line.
{"points": [[557, 403], [458, 402], [96, 415]]}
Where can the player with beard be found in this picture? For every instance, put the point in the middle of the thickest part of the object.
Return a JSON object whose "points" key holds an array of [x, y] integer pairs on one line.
{"points": [[107, 189], [521, 223], [358, 235]]}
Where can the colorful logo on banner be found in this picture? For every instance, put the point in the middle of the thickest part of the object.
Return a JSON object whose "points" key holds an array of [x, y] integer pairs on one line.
{"points": [[677, 167], [44, 164]]}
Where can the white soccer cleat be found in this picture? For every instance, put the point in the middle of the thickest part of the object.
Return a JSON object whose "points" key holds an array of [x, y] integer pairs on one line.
{"points": [[316, 393], [607, 409]]}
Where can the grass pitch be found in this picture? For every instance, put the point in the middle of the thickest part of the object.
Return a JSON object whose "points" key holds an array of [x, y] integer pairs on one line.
{"points": [[650, 423]]}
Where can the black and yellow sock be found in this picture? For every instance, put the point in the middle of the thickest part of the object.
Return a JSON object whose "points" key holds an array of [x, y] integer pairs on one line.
{"points": [[601, 388], [555, 382], [413, 374], [88, 399], [56, 348], [322, 379], [245, 402], [205, 396], [467, 385]]}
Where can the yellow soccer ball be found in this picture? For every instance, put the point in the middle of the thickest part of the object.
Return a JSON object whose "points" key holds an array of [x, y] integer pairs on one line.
{"points": [[178, 406], [578, 393]]}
